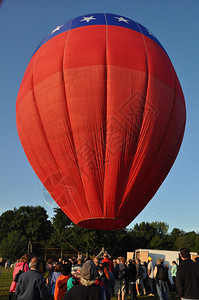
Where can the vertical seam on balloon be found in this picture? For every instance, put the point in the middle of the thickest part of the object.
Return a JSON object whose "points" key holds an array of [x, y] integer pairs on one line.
{"points": [[71, 127], [147, 80], [125, 190], [66, 41], [105, 131], [106, 122], [147, 64]]}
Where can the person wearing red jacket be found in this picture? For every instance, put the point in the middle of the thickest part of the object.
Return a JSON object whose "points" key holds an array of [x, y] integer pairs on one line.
{"points": [[61, 283], [109, 261], [23, 264]]}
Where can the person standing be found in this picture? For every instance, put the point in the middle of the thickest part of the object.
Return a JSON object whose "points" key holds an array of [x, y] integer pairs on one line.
{"points": [[144, 274], [132, 279], [31, 284], [187, 277], [120, 276], [108, 279], [61, 282], [174, 272], [139, 280], [109, 261], [76, 269], [151, 276], [21, 265], [75, 272], [7, 264], [52, 281], [161, 278], [96, 261]]}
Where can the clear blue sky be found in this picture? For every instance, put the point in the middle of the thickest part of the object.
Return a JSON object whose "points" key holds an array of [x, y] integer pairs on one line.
{"points": [[24, 23]]}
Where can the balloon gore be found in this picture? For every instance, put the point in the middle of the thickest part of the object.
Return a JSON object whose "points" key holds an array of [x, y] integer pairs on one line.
{"points": [[101, 116]]}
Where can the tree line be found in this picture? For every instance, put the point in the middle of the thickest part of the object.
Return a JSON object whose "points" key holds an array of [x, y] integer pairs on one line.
{"points": [[30, 225]]}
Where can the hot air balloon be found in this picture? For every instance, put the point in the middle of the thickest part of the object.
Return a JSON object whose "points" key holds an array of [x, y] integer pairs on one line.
{"points": [[101, 115]]}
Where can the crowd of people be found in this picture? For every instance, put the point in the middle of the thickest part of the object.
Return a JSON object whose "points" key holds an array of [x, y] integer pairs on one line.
{"points": [[100, 279]]}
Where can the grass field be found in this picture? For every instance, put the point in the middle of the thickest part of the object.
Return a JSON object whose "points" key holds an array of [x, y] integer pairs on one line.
{"points": [[5, 282], [6, 279]]}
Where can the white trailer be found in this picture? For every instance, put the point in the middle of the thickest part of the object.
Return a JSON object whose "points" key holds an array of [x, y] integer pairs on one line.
{"points": [[167, 255]]}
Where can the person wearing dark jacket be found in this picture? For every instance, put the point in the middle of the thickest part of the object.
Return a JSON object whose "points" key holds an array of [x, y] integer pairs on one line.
{"points": [[132, 272], [31, 284], [161, 280], [187, 277]]}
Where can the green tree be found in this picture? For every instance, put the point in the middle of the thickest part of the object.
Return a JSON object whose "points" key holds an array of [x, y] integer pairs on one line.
{"points": [[61, 221], [158, 242], [23, 224], [197, 243], [151, 235], [161, 228], [188, 240], [143, 233], [32, 222], [7, 223], [176, 232], [174, 235], [161, 239], [13, 246]]}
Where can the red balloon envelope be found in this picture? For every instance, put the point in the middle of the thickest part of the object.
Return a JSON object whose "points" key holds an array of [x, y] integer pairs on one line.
{"points": [[101, 117]]}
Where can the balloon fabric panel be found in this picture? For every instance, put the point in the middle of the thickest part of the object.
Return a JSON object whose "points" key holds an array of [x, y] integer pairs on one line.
{"points": [[101, 117]]}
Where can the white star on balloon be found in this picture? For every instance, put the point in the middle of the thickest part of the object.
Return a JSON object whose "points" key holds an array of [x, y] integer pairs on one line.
{"points": [[56, 29], [87, 19], [150, 32], [121, 19]]}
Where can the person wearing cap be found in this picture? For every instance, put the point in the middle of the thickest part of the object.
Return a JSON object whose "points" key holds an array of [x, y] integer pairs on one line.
{"points": [[151, 276], [161, 278], [87, 290], [76, 269], [75, 272]]}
